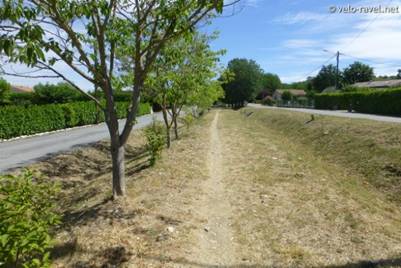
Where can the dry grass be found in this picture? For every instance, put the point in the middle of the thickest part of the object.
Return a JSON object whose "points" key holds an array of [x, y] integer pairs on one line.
{"points": [[295, 207], [145, 229], [298, 197]]}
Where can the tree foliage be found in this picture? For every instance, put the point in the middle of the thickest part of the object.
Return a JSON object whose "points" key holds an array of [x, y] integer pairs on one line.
{"points": [[271, 82], [184, 75], [27, 213], [55, 93], [92, 39], [5, 90], [358, 72], [325, 78], [245, 83]]}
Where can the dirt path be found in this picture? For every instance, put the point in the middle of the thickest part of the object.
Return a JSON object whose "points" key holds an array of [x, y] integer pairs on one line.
{"points": [[232, 192], [215, 244]]}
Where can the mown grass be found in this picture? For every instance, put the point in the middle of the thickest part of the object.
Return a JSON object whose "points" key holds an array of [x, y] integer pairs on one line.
{"points": [[368, 147]]}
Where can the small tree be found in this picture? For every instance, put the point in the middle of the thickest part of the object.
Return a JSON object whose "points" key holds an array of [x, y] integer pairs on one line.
{"points": [[86, 37], [182, 76]]}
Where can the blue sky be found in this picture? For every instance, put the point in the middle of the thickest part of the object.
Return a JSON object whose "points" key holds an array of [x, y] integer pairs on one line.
{"points": [[287, 37]]}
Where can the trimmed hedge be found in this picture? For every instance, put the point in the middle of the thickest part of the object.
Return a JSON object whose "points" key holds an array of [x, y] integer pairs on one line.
{"points": [[379, 101], [16, 121]]}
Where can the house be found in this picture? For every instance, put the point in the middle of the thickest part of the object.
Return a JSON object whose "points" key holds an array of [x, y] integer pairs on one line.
{"points": [[379, 84], [21, 89], [297, 93]]}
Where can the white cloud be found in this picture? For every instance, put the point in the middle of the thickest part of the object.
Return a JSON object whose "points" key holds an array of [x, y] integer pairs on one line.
{"points": [[300, 43], [300, 17]]}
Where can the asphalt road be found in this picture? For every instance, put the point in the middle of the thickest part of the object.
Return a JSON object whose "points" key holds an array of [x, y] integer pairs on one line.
{"points": [[21, 152], [333, 113]]}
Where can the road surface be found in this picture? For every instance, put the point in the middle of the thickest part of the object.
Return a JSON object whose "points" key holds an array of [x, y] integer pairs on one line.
{"points": [[333, 113], [21, 152]]}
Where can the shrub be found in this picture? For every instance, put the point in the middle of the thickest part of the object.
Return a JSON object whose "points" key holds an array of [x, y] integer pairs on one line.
{"points": [[56, 93], [188, 119], [5, 89], [23, 98], [26, 216], [385, 101], [156, 137], [268, 100], [286, 96], [18, 120]]}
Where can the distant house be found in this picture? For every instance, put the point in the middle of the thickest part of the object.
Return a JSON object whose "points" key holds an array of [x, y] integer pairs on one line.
{"points": [[379, 84], [21, 89], [298, 93]]}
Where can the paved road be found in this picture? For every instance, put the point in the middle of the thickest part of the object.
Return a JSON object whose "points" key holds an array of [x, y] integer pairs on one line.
{"points": [[20, 152], [334, 113]]}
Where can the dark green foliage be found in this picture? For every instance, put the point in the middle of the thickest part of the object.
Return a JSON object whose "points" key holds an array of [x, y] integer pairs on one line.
{"points": [[268, 100], [56, 93], [358, 72], [325, 78], [23, 98], [26, 214], [5, 89], [286, 96], [246, 81], [19, 120], [156, 138], [271, 82], [385, 102]]}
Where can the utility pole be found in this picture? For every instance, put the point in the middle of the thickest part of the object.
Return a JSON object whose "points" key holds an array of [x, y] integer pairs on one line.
{"points": [[338, 61], [337, 66]]}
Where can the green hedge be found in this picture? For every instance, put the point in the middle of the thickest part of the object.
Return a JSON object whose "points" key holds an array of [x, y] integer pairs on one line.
{"points": [[374, 101], [19, 120]]}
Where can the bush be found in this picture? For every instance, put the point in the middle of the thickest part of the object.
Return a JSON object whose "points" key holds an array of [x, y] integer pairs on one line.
{"points": [[188, 119], [26, 216], [268, 100], [385, 102], [156, 136], [23, 98], [18, 120], [5, 89], [56, 93]]}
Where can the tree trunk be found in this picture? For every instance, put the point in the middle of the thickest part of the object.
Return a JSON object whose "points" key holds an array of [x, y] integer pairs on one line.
{"points": [[175, 127], [167, 124], [118, 156]]}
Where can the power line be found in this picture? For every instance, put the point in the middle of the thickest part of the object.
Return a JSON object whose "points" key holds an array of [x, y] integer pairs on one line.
{"points": [[366, 27], [320, 66]]}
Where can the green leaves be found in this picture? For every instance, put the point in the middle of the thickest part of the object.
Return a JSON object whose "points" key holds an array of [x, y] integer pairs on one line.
{"points": [[26, 214]]}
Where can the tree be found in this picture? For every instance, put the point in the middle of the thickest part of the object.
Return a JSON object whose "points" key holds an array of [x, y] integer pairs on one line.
{"points": [[182, 75], [398, 76], [5, 89], [358, 72], [271, 82], [87, 36], [246, 81], [325, 78]]}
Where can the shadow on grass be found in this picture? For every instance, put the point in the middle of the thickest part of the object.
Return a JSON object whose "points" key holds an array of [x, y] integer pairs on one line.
{"points": [[384, 263], [110, 257], [396, 262]]}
